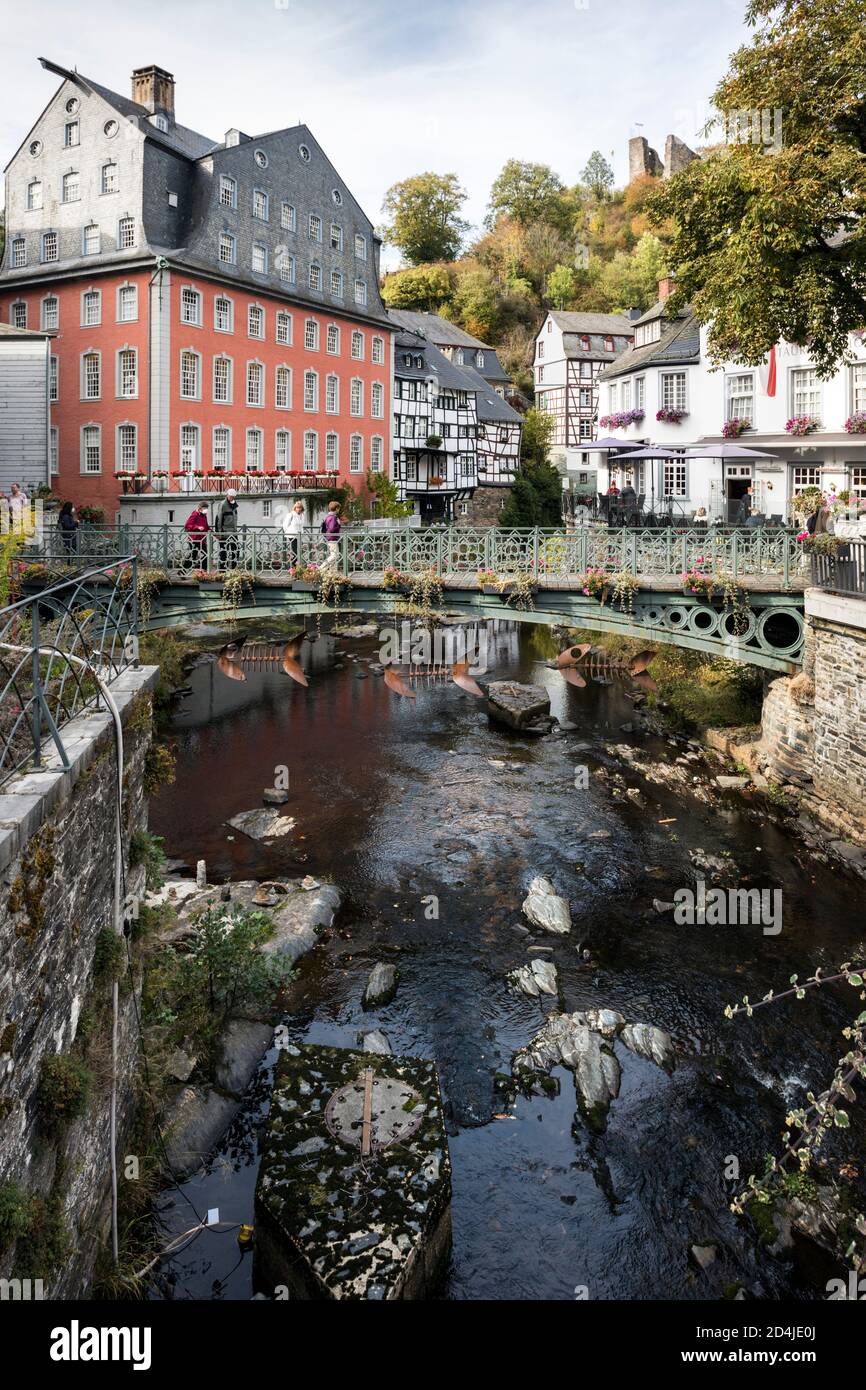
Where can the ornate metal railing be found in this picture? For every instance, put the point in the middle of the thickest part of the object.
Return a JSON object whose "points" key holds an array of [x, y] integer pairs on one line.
{"points": [[652, 552], [844, 572], [53, 645]]}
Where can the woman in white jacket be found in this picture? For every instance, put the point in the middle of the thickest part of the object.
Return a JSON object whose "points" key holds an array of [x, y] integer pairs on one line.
{"points": [[293, 529]]}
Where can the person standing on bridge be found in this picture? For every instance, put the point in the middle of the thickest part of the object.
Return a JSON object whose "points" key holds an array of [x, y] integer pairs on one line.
{"points": [[226, 527], [293, 529], [197, 527], [331, 528]]}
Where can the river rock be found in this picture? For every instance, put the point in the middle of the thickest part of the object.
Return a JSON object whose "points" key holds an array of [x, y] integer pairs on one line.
{"points": [[605, 1021], [262, 824], [565, 1040], [516, 705], [196, 1120], [243, 1045], [300, 919], [732, 784], [706, 863], [647, 1041], [376, 1041], [381, 986], [545, 908], [539, 977]]}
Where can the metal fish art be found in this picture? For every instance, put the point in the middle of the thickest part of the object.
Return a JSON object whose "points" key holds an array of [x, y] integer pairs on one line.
{"points": [[394, 681], [236, 659], [460, 676], [576, 664]]}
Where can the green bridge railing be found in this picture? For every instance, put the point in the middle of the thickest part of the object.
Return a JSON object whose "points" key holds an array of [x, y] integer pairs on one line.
{"points": [[544, 554]]}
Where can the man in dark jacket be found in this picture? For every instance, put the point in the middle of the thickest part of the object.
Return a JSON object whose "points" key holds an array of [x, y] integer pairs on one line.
{"points": [[226, 527]]}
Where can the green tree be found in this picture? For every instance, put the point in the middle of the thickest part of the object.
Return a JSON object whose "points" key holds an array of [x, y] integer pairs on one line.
{"points": [[770, 242], [598, 176], [632, 281], [474, 305], [425, 222], [536, 493], [386, 494], [530, 193], [561, 285], [425, 287]]}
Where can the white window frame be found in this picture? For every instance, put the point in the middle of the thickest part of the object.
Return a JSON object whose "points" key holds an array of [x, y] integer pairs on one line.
{"points": [[91, 296], [127, 237], [262, 202], [196, 358], [121, 393], [189, 435], [377, 454], [254, 434], [357, 342], [311, 454], [332, 394], [131, 293], [311, 335], [227, 243], [801, 393], [282, 374], [361, 292], [228, 398], [288, 217], [191, 306], [54, 323], [49, 241], [70, 186], [85, 395], [360, 247], [216, 463], [315, 277], [673, 395], [255, 373], [740, 396], [377, 353], [858, 386], [311, 391], [18, 313], [229, 186], [18, 252], [91, 428], [282, 445], [332, 452], [105, 176], [120, 464], [377, 393], [256, 314], [223, 299], [356, 398], [284, 328], [314, 228], [356, 453], [259, 258], [333, 335]]}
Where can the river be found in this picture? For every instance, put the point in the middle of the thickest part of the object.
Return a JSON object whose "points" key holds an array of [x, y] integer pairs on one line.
{"points": [[397, 800]]}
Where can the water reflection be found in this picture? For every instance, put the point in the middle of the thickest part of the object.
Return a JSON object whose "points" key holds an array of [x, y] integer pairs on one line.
{"points": [[398, 799]]}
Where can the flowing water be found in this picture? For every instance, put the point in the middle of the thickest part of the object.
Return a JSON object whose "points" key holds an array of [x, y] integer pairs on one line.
{"points": [[397, 800]]}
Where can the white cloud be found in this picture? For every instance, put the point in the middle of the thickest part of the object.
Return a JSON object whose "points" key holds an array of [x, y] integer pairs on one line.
{"points": [[391, 89]]}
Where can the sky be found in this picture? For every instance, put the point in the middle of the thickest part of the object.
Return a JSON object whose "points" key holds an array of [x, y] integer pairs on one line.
{"points": [[393, 89]]}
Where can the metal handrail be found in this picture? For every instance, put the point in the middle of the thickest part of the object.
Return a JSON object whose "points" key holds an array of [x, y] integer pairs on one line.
{"points": [[50, 643], [844, 572]]}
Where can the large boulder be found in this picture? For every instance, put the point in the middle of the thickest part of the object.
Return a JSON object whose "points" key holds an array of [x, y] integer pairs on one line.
{"points": [[242, 1046], [650, 1042], [545, 908], [516, 705], [263, 823], [196, 1120], [381, 986]]}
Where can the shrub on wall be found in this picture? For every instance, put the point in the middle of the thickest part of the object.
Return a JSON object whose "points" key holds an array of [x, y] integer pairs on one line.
{"points": [[62, 1092]]}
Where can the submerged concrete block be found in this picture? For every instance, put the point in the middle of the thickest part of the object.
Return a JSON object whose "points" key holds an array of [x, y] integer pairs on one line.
{"points": [[353, 1199]]}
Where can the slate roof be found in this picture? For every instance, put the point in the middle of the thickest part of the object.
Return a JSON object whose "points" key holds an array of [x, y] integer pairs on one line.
{"points": [[433, 361], [446, 334], [575, 321], [490, 406], [679, 345], [179, 138]]}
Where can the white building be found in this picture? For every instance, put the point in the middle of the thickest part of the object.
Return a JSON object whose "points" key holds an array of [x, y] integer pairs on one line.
{"points": [[667, 370], [571, 350], [25, 425]]}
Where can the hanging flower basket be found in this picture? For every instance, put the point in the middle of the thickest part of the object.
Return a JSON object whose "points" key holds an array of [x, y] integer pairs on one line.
{"points": [[621, 419], [732, 429], [436, 480], [856, 423], [434, 441], [594, 583], [800, 425], [670, 415]]}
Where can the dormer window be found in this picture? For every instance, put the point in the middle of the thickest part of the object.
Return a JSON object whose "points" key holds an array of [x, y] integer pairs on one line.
{"points": [[479, 360], [160, 121], [647, 332], [584, 343], [608, 344]]}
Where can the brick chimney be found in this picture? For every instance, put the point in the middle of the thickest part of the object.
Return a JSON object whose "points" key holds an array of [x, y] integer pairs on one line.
{"points": [[153, 87], [666, 288]]}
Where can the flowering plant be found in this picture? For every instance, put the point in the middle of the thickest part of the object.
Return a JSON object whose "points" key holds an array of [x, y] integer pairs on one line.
{"points": [[732, 429], [856, 423], [802, 424], [305, 574], [594, 583], [671, 414], [487, 577], [394, 578], [697, 582], [621, 419]]}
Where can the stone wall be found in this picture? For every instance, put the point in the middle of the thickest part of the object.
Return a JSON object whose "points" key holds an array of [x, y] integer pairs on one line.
{"points": [[56, 909], [484, 507], [813, 726]]}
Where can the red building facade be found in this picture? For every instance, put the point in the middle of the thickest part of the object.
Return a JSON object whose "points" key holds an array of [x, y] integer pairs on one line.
{"points": [[214, 308]]}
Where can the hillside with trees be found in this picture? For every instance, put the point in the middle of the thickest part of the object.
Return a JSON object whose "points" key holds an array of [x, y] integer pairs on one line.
{"points": [[543, 246]]}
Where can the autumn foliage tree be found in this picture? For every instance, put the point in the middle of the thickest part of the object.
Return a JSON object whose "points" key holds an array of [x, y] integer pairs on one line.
{"points": [[770, 241]]}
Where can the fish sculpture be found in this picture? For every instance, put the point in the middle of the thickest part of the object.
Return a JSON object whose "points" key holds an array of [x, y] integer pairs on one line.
{"points": [[237, 658], [576, 664]]}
